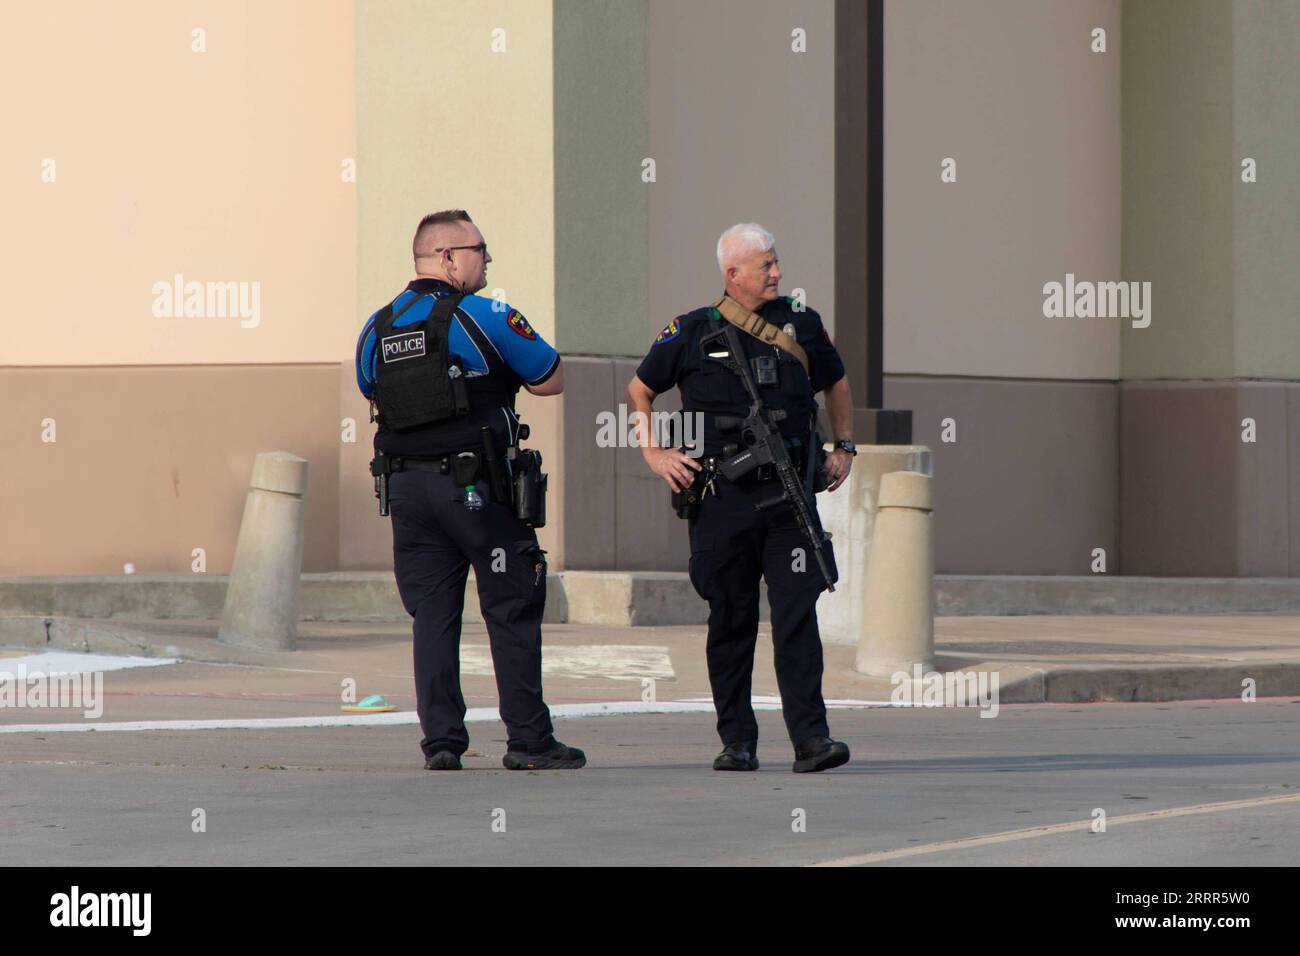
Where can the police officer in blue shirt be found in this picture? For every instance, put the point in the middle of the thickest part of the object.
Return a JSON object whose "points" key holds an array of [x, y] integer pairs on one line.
{"points": [[441, 367], [734, 542]]}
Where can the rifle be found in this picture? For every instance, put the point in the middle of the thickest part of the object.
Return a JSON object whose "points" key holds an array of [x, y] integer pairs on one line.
{"points": [[765, 446]]}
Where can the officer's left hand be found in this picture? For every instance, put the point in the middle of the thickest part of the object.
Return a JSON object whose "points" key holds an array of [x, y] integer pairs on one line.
{"points": [[838, 466]]}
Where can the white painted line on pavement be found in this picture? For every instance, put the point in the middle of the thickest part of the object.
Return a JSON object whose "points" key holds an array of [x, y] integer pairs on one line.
{"points": [[1008, 836], [833, 703], [71, 662], [472, 715]]}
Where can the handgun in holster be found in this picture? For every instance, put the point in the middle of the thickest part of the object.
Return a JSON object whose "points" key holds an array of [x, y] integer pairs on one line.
{"points": [[381, 468], [526, 487], [686, 503]]}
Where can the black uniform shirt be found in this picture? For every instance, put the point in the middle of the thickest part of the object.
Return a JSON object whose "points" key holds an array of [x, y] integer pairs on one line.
{"points": [[676, 358]]}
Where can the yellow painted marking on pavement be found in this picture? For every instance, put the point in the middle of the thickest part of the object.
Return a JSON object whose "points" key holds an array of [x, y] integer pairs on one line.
{"points": [[1029, 833]]}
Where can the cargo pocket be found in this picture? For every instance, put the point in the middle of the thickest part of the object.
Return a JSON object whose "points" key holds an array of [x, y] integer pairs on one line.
{"points": [[701, 570], [530, 569]]}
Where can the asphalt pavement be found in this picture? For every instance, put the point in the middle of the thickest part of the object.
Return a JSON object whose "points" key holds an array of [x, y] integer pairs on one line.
{"points": [[1187, 783]]}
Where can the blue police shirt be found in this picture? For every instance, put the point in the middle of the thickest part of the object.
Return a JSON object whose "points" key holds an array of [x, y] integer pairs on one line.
{"points": [[527, 356]]}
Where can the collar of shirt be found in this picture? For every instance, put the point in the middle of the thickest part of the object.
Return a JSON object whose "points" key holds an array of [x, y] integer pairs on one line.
{"points": [[425, 284]]}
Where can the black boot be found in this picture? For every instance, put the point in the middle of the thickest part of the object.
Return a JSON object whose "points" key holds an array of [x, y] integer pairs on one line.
{"points": [[737, 756], [820, 753], [442, 760], [559, 757]]}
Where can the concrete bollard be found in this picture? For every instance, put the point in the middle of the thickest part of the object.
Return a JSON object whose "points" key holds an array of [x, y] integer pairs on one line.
{"points": [[849, 514], [261, 608], [898, 618]]}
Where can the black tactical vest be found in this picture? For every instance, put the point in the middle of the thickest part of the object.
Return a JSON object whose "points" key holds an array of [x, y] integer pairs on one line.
{"points": [[419, 382]]}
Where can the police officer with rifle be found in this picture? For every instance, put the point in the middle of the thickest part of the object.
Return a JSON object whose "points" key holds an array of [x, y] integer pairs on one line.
{"points": [[751, 365]]}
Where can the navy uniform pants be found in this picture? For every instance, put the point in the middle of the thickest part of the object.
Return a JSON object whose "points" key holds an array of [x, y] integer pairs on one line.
{"points": [[732, 547], [436, 540]]}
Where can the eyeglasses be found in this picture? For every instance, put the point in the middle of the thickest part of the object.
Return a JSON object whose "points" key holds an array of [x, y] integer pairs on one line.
{"points": [[479, 248]]}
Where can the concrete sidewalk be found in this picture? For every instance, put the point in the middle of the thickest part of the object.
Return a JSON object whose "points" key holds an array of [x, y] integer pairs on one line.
{"points": [[1052, 659]]}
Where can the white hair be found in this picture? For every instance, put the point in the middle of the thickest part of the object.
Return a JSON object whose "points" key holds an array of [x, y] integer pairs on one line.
{"points": [[742, 237]]}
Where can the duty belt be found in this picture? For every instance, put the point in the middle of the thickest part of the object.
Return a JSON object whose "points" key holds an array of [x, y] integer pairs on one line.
{"points": [[526, 484], [402, 463]]}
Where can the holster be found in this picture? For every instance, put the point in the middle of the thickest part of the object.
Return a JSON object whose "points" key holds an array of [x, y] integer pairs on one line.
{"points": [[530, 488], [465, 467], [686, 503], [380, 468], [819, 481]]}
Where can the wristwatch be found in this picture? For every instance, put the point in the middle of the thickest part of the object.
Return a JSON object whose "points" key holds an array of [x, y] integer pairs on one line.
{"points": [[847, 445]]}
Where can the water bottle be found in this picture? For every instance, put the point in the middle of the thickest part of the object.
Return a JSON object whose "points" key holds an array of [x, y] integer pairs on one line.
{"points": [[472, 500]]}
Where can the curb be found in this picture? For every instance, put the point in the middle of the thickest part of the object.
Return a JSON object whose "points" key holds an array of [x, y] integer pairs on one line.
{"points": [[636, 598], [1019, 683]]}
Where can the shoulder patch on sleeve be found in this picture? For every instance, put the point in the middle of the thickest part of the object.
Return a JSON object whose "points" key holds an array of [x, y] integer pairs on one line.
{"points": [[520, 325], [670, 332]]}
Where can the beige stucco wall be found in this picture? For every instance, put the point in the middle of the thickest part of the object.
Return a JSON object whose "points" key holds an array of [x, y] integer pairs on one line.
{"points": [[1028, 480], [741, 128], [1010, 90], [1179, 185], [601, 236], [443, 121], [149, 463], [1207, 84], [1266, 213], [1220, 252], [223, 166]]}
